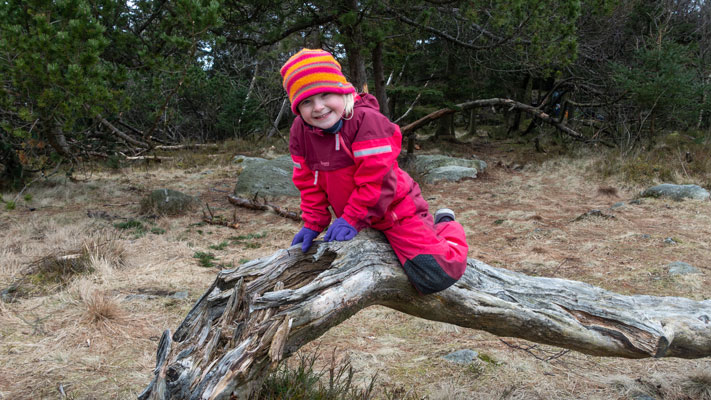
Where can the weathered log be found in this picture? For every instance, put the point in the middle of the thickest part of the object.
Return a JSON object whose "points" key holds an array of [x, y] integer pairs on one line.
{"points": [[256, 205], [263, 311]]}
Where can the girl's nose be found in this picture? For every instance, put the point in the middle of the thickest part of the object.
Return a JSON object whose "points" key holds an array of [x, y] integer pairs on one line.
{"points": [[318, 104]]}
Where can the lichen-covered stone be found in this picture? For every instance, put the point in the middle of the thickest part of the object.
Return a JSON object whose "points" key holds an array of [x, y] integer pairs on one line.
{"points": [[681, 268], [168, 202], [451, 173], [265, 177], [437, 167], [677, 192], [465, 356]]}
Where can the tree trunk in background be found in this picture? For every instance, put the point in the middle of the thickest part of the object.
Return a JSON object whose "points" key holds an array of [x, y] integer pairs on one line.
{"points": [[703, 101], [313, 40], [471, 129], [379, 78], [11, 173], [257, 314], [356, 66], [56, 139], [445, 127], [524, 96], [275, 125], [248, 96], [354, 45]]}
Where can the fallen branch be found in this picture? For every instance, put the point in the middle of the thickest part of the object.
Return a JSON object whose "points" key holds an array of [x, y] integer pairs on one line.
{"points": [[147, 158], [536, 112], [529, 348], [120, 133], [219, 220], [187, 146], [255, 205], [255, 315]]}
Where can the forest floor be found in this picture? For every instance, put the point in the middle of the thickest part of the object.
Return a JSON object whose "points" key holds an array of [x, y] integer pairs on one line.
{"points": [[95, 336]]}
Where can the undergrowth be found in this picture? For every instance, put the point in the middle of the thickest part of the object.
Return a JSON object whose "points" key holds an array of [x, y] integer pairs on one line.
{"points": [[334, 382], [676, 158]]}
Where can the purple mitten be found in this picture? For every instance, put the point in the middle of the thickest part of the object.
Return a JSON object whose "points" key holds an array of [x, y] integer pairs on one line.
{"points": [[340, 230], [305, 236]]}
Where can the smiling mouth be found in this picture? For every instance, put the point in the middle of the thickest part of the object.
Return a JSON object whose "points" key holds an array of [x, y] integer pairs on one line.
{"points": [[322, 116]]}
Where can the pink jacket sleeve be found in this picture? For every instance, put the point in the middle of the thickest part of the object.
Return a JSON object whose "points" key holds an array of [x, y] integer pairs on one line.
{"points": [[375, 150], [314, 204]]}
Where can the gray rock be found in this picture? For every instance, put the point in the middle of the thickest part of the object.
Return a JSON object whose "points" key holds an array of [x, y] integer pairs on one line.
{"points": [[677, 192], [669, 241], [180, 295], [140, 297], [617, 205], [641, 396], [265, 177], [465, 356], [436, 167], [246, 161], [9, 295], [451, 173], [167, 202], [681, 268]]}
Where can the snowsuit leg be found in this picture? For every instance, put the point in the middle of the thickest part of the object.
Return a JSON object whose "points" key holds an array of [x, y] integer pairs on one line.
{"points": [[434, 257]]}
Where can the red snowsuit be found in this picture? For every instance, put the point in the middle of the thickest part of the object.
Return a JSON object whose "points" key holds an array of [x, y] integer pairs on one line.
{"points": [[355, 171]]}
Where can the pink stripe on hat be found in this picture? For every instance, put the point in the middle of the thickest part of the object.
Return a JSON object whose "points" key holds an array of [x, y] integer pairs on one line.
{"points": [[310, 72]]}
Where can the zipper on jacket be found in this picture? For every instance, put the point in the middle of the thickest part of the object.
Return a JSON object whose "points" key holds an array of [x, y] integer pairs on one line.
{"points": [[315, 177], [338, 143]]}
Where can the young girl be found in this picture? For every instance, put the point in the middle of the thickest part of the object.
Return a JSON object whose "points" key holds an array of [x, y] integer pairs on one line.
{"points": [[345, 156]]}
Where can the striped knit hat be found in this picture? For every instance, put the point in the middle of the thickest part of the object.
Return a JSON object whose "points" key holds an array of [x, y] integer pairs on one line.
{"points": [[313, 71]]}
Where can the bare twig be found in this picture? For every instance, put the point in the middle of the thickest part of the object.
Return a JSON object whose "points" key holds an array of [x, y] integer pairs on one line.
{"points": [[255, 205], [530, 350], [219, 220], [54, 171]]}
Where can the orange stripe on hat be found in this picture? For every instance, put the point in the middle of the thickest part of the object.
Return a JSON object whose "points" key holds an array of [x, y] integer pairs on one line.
{"points": [[310, 72]]}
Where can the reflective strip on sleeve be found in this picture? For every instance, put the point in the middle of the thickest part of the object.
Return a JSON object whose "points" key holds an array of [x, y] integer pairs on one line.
{"points": [[338, 143], [297, 165], [315, 177], [372, 151]]}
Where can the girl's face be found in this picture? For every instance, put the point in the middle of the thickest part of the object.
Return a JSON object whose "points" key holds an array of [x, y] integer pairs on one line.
{"points": [[322, 110]]}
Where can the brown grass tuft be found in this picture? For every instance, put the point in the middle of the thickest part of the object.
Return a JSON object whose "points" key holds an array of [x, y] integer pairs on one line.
{"points": [[607, 191], [699, 386], [100, 309], [108, 246]]}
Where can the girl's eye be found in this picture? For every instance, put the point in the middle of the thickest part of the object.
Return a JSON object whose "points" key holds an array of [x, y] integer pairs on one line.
{"points": [[305, 102]]}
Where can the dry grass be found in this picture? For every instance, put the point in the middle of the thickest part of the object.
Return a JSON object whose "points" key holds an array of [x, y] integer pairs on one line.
{"points": [[97, 334], [100, 309]]}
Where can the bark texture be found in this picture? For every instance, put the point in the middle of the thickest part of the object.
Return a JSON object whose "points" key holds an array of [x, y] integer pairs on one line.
{"points": [[253, 316]]}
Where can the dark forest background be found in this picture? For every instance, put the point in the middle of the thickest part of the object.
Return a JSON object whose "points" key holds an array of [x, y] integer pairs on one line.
{"points": [[107, 79]]}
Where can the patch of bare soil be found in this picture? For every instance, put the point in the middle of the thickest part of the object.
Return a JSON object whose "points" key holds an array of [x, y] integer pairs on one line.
{"points": [[97, 336]]}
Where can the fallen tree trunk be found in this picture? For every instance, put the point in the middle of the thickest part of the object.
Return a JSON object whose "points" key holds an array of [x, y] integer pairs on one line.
{"points": [[409, 129], [253, 316]]}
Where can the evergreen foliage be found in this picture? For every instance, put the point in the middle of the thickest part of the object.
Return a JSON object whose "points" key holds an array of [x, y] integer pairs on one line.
{"points": [[80, 79]]}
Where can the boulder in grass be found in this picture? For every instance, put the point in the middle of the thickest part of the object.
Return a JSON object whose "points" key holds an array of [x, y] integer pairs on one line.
{"points": [[436, 167], [265, 177], [465, 356], [168, 202], [677, 192], [450, 173], [681, 268]]}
